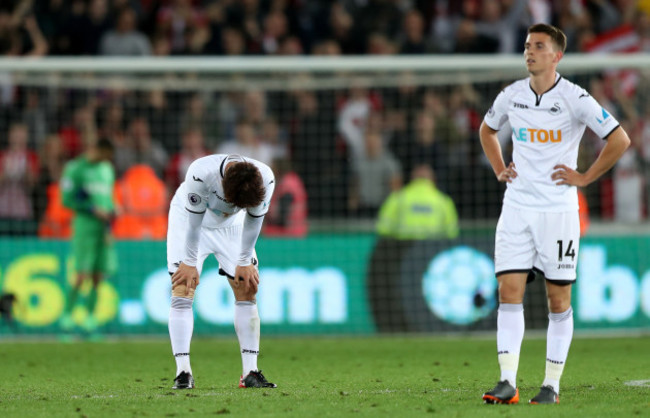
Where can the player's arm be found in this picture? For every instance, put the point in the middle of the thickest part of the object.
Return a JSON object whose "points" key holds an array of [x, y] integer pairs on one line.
{"points": [[195, 206], [72, 195], [492, 150], [246, 271], [617, 143]]}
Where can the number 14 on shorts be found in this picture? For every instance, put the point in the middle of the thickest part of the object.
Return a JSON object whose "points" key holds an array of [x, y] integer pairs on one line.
{"points": [[570, 251]]}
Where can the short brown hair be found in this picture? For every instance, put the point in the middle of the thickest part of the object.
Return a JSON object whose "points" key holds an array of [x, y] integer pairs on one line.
{"points": [[557, 36], [243, 185]]}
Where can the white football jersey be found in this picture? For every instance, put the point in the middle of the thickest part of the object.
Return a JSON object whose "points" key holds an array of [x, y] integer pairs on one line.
{"points": [[546, 131], [202, 190]]}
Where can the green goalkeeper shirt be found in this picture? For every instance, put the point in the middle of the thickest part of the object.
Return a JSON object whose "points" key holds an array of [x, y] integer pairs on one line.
{"points": [[86, 186]]}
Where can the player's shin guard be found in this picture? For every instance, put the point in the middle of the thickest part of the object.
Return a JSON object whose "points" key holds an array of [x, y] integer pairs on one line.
{"points": [[510, 333], [247, 327], [181, 325], [558, 341]]}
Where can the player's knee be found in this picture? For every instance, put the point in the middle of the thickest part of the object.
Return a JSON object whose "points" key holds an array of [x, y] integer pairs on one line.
{"points": [[180, 291], [242, 294], [558, 304], [510, 293]]}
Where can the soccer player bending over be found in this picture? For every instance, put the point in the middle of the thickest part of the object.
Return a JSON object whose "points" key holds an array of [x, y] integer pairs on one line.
{"points": [[539, 228], [218, 210]]}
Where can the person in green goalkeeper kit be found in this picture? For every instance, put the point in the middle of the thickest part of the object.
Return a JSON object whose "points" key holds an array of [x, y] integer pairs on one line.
{"points": [[87, 188], [418, 211]]}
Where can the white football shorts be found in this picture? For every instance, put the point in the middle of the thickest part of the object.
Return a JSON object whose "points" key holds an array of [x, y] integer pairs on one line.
{"points": [[546, 241], [224, 243]]}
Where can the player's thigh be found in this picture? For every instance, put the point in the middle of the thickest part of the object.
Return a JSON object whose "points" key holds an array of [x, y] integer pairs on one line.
{"points": [[514, 248], [106, 262], [226, 243], [557, 237], [176, 240], [86, 248], [176, 232]]}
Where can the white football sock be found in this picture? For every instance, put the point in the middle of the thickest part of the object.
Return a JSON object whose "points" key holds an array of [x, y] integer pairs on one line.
{"points": [[181, 325], [247, 327], [558, 341], [510, 333]]}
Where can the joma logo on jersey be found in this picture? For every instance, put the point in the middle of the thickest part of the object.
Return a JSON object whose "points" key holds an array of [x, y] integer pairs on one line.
{"points": [[537, 135]]}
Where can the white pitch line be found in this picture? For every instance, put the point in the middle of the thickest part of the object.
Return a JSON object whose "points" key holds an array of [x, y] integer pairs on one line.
{"points": [[638, 383]]}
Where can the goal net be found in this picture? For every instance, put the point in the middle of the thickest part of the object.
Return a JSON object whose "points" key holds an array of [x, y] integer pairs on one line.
{"points": [[341, 250]]}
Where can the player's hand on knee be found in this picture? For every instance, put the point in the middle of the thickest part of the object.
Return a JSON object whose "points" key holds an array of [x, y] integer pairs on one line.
{"points": [[187, 276], [249, 276]]}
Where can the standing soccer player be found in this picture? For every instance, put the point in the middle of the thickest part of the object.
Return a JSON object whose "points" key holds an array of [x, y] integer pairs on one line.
{"points": [[87, 188], [219, 210], [539, 227]]}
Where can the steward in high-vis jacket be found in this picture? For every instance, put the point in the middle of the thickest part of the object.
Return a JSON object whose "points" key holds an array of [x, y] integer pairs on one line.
{"points": [[418, 211]]}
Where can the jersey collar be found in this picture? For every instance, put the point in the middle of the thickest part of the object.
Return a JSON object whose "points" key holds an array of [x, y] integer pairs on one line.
{"points": [[538, 99], [230, 159]]}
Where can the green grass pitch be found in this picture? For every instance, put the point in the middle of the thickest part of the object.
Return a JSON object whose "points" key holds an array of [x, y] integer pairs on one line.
{"points": [[373, 376]]}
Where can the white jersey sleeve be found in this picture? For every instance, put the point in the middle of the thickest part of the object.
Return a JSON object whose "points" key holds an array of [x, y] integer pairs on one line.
{"points": [[497, 115], [254, 217], [196, 203], [269, 186], [599, 120]]}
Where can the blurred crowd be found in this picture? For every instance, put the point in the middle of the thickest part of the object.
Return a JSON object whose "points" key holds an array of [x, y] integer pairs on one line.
{"points": [[343, 150], [310, 27]]}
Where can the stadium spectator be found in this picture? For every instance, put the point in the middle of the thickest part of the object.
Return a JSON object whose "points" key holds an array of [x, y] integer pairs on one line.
{"points": [[353, 116], [162, 120], [21, 35], [125, 39], [143, 201], [176, 20], [287, 215], [52, 159], [500, 20], [79, 130], [140, 148], [55, 219], [628, 181], [374, 176], [233, 42], [192, 147], [247, 143], [255, 109], [379, 17], [414, 40], [274, 31], [195, 113], [423, 148], [93, 26], [317, 159], [342, 31], [418, 211], [18, 175], [276, 137], [35, 116]]}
